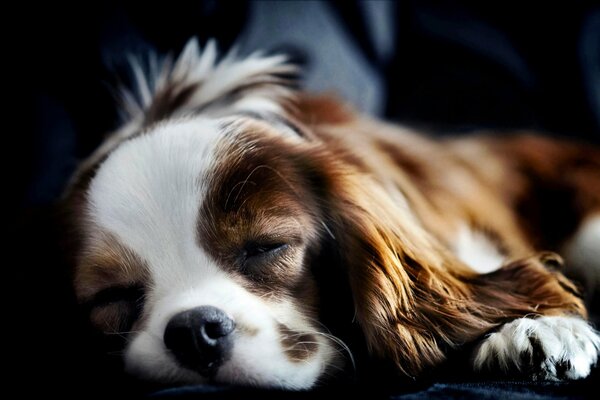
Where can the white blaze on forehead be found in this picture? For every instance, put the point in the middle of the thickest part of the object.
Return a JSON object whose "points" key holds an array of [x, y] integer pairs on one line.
{"points": [[148, 193]]}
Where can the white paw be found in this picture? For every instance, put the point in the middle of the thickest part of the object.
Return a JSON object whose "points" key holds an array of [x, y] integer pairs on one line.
{"points": [[547, 348]]}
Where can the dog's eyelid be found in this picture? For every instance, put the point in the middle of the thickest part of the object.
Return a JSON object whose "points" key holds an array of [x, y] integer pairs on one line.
{"points": [[113, 294], [257, 248], [258, 255]]}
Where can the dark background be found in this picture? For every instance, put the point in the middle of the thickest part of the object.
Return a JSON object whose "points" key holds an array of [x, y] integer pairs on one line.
{"points": [[447, 69]]}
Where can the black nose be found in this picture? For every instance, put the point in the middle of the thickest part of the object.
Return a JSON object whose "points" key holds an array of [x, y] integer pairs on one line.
{"points": [[200, 338]]}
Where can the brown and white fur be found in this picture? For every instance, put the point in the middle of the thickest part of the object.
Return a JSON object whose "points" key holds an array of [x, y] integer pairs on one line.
{"points": [[226, 185]]}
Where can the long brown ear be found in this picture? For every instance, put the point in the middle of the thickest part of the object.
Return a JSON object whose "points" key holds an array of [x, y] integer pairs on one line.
{"points": [[413, 299]]}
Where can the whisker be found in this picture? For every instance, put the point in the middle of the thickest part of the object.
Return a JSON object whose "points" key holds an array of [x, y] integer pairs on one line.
{"points": [[339, 351], [284, 179], [322, 325], [122, 332], [343, 345], [233, 188], [246, 181], [328, 230], [345, 349]]}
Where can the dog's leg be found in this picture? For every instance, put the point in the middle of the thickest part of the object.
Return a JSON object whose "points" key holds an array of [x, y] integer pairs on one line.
{"points": [[553, 341], [556, 199], [545, 348]]}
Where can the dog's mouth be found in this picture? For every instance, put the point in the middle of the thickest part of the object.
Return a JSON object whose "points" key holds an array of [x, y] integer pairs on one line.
{"points": [[229, 342]]}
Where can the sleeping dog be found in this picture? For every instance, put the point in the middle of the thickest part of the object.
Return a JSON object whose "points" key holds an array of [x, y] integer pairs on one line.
{"points": [[201, 229]]}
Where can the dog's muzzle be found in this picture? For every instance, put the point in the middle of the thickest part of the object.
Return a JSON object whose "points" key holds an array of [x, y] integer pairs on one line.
{"points": [[200, 338]]}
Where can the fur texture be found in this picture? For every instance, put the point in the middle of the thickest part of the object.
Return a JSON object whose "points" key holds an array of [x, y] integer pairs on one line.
{"points": [[439, 241]]}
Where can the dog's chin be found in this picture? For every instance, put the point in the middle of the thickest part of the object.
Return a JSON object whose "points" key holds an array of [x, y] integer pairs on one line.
{"points": [[229, 374]]}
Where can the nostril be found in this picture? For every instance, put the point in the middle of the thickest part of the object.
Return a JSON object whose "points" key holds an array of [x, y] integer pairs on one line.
{"points": [[179, 337], [214, 330]]}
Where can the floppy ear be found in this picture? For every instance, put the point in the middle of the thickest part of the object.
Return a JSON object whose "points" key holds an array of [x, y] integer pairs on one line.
{"points": [[413, 299]]}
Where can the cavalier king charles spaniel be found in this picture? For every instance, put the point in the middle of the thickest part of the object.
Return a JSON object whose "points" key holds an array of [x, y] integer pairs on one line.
{"points": [[235, 229]]}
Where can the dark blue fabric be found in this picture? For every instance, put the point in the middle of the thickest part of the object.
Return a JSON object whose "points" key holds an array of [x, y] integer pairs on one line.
{"points": [[513, 390], [500, 390]]}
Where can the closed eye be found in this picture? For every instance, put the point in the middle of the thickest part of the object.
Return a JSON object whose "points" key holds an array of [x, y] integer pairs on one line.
{"points": [[116, 309], [255, 249], [116, 294]]}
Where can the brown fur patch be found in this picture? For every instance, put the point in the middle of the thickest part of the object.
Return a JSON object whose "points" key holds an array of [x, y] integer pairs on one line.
{"points": [[105, 262], [297, 346], [414, 299], [257, 197], [320, 110], [109, 282], [410, 164], [557, 182]]}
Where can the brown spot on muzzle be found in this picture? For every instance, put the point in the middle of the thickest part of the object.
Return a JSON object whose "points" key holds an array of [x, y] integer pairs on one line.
{"points": [[297, 346]]}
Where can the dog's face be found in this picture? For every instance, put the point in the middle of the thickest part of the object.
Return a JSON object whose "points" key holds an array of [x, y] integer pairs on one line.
{"points": [[197, 244]]}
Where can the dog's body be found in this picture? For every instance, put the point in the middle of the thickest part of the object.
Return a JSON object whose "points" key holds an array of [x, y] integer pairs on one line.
{"points": [[201, 227]]}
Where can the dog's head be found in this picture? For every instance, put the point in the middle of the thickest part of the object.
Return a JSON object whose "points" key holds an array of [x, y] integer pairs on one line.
{"points": [[198, 241], [197, 228], [200, 230]]}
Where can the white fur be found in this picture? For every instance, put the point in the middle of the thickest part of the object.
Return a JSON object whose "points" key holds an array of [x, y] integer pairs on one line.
{"points": [[213, 77], [257, 357], [569, 348], [148, 193], [582, 253], [477, 251]]}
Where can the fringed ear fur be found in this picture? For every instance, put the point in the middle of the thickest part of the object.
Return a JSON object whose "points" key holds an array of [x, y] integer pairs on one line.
{"points": [[414, 299]]}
